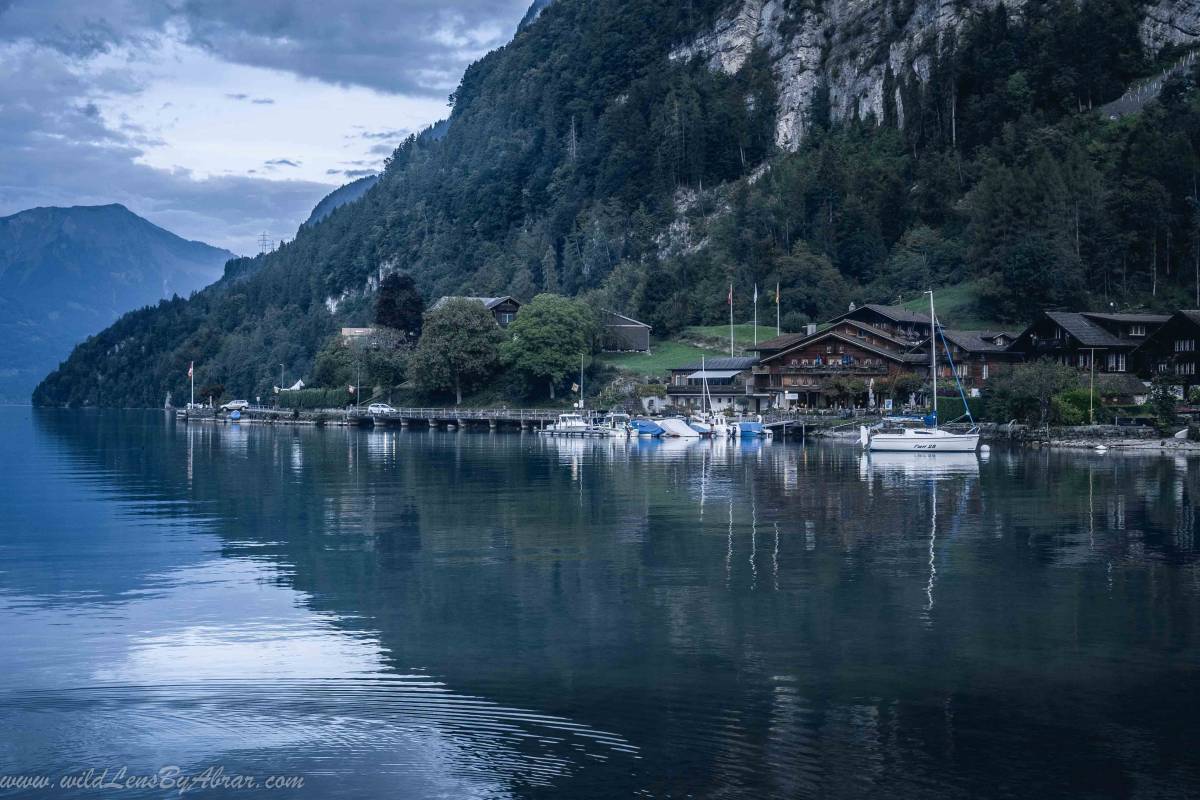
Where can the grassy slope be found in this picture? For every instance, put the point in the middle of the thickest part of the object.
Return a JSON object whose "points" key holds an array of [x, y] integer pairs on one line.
{"points": [[956, 308], [710, 341]]}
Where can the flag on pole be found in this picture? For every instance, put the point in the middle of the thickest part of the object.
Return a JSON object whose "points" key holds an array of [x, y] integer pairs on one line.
{"points": [[777, 293], [574, 387], [351, 389], [191, 366], [731, 295]]}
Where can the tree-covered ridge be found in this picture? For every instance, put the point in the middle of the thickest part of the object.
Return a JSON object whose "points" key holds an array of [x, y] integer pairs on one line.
{"points": [[580, 159]]}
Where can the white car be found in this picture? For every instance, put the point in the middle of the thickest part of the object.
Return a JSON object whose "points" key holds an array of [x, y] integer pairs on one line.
{"points": [[380, 408], [236, 405]]}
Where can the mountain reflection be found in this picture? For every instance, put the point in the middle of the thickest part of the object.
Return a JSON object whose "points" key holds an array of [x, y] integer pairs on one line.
{"points": [[756, 617]]}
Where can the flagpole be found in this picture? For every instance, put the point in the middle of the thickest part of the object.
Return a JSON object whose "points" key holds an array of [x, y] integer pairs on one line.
{"points": [[731, 320], [192, 378], [756, 315], [778, 330]]}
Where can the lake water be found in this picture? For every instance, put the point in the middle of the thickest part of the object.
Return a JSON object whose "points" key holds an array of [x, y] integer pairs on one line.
{"points": [[421, 614]]}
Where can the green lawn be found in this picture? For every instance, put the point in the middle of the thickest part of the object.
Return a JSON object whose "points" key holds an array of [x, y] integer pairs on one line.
{"points": [[662, 357], [717, 336], [956, 308]]}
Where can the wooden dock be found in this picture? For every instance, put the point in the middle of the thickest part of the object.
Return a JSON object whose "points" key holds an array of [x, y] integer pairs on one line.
{"points": [[782, 424], [492, 418]]}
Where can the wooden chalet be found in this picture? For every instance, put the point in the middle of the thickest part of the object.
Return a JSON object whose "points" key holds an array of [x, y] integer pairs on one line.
{"points": [[622, 334], [1076, 338], [1171, 350], [911, 327], [977, 356], [815, 370], [504, 309]]}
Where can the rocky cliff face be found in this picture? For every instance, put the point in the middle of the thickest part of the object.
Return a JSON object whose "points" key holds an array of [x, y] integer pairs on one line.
{"points": [[858, 47]]}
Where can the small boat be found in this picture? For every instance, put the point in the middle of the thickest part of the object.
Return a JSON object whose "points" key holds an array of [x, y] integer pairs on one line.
{"points": [[883, 438], [645, 428], [568, 425], [613, 424], [673, 426], [749, 429], [898, 438]]}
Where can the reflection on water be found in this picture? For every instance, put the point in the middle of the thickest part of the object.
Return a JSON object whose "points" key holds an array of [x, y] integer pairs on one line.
{"points": [[433, 614]]}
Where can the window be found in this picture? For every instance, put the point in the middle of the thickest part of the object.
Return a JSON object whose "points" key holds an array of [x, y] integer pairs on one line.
{"points": [[828, 348], [1116, 362], [1083, 359], [1137, 330], [1185, 345], [1185, 368], [984, 371], [505, 317]]}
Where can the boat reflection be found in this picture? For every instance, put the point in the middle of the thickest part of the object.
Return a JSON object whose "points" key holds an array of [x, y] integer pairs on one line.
{"points": [[919, 465]]}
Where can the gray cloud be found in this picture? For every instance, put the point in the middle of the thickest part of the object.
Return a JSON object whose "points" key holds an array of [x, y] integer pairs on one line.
{"points": [[57, 149], [54, 150], [415, 47]]}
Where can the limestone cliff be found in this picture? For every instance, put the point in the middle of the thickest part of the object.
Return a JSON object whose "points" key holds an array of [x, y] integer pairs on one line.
{"points": [[857, 47]]}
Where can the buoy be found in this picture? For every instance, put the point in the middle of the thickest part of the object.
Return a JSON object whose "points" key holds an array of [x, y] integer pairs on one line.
{"points": [[985, 449], [1101, 448]]}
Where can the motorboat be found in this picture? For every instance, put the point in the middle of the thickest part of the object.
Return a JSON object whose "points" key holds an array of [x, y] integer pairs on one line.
{"points": [[928, 437], [613, 424], [568, 425], [751, 429]]}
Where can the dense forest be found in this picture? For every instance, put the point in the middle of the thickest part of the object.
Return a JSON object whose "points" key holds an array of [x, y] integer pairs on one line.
{"points": [[581, 159]]}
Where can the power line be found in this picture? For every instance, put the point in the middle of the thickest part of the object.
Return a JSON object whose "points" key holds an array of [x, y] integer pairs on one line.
{"points": [[264, 243]]}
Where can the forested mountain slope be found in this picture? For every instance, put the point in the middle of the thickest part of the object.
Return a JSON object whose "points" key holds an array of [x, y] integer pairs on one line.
{"points": [[647, 153]]}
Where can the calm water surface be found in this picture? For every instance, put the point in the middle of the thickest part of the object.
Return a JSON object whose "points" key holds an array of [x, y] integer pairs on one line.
{"points": [[419, 615]]}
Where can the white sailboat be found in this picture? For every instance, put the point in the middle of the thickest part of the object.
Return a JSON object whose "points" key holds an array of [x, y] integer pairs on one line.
{"points": [[923, 439], [710, 422]]}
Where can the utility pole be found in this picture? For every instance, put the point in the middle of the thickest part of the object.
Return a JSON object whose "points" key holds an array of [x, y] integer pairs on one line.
{"points": [[1092, 387]]}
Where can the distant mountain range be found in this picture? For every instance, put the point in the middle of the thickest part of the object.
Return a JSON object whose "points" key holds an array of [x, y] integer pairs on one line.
{"points": [[66, 273]]}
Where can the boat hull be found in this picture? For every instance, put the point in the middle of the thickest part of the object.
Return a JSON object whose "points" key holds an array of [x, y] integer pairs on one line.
{"points": [[898, 443]]}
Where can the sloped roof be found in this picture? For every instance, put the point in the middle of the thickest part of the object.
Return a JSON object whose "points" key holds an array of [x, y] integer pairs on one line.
{"points": [[1151, 319], [1086, 332], [737, 362], [975, 341], [488, 302], [630, 320], [780, 342], [875, 332], [897, 313], [819, 335]]}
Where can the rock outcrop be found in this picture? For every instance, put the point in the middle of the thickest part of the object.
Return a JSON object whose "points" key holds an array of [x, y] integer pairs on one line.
{"points": [[860, 49]]}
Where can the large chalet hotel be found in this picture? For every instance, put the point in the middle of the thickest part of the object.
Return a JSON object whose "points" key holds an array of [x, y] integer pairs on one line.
{"points": [[877, 351]]}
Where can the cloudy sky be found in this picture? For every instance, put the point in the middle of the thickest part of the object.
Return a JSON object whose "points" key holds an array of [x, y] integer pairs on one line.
{"points": [[222, 119]]}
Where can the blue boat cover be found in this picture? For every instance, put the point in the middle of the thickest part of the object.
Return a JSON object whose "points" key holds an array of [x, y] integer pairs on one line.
{"points": [[750, 428], [644, 427]]}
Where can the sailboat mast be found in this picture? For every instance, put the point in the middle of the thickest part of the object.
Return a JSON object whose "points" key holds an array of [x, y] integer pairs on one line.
{"points": [[933, 355]]}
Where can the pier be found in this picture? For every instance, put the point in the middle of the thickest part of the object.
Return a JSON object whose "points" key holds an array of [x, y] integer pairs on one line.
{"points": [[782, 424]]}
